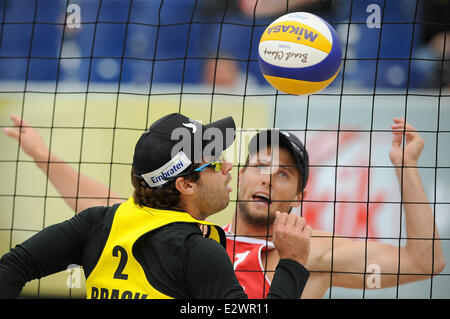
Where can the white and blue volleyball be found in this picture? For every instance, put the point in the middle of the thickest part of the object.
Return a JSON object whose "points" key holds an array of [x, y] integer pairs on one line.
{"points": [[300, 53]]}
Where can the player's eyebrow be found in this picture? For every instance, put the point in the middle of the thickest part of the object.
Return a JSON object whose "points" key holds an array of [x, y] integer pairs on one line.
{"points": [[265, 162], [288, 167]]}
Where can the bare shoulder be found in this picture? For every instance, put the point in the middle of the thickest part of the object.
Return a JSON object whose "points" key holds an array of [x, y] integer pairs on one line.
{"points": [[321, 234], [321, 239], [321, 245]]}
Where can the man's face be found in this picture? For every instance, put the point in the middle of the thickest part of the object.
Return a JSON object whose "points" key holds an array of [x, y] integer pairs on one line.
{"points": [[213, 190], [265, 189]]}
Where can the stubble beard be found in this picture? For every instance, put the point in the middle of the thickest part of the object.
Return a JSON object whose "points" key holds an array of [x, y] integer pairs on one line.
{"points": [[255, 220], [212, 203]]}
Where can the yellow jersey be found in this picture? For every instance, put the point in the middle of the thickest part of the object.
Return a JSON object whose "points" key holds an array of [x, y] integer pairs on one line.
{"points": [[117, 274]]}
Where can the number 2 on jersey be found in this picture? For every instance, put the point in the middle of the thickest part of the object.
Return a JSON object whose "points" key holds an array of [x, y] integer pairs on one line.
{"points": [[122, 263]]}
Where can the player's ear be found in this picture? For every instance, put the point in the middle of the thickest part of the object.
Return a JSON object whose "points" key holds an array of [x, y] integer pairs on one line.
{"points": [[184, 186]]}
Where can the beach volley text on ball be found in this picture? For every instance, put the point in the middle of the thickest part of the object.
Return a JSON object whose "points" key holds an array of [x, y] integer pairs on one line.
{"points": [[300, 53]]}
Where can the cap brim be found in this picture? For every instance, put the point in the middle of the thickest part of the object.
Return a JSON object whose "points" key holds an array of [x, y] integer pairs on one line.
{"points": [[286, 143], [282, 139]]}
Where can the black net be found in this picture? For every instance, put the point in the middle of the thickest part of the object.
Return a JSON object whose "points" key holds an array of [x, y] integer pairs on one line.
{"points": [[90, 76]]}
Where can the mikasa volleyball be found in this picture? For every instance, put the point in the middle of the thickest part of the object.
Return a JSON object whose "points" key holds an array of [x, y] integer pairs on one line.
{"points": [[299, 53]]}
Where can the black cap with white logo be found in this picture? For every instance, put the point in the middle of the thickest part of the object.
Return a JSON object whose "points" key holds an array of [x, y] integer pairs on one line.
{"points": [[175, 141], [287, 141]]}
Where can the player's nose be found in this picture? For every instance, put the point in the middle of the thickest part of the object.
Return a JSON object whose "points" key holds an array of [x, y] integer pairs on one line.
{"points": [[226, 167], [266, 178]]}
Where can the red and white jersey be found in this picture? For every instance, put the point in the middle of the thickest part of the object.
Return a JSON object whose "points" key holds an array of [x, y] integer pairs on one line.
{"points": [[245, 254]]}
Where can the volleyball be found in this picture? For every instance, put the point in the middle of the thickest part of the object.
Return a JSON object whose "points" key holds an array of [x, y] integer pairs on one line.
{"points": [[299, 53]]}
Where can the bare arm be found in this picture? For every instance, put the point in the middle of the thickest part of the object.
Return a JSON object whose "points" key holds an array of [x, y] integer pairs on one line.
{"points": [[421, 256], [78, 191]]}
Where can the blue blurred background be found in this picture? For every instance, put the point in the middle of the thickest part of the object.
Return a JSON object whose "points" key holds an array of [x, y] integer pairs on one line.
{"points": [[173, 41]]}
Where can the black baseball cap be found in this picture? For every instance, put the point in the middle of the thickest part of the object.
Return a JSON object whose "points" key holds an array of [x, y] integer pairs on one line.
{"points": [[174, 142], [287, 141]]}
